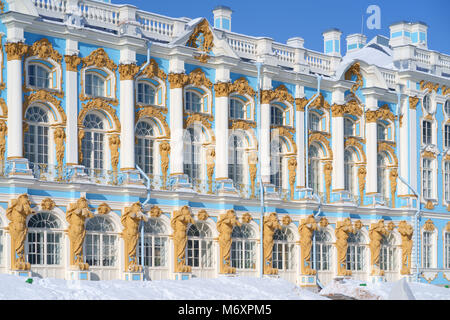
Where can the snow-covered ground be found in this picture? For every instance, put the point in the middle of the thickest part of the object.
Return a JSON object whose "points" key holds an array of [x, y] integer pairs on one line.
{"points": [[223, 288]]}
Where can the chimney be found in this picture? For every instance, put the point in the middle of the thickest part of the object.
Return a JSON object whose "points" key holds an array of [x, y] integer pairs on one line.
{"points": [[222, 17], [419, 34], [355, 42], [332, 42], [400, 34]]}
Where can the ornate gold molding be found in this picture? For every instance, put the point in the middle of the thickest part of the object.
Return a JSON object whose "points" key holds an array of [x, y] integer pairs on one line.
{"points": [[292, 168], [222, 89], [17, 213], [430, 86], [239, 124], [270, 224], [76, 215], [343, 228], [164, 151], [240, 86], [72, 62], [386, 147], [352, 108], [428, 154], [413, 101], [288, 133], [202, 215], [80, 141], [354, 142], [15, 50], [201, 39], [306, 229], [180, 220], [44, 97], [383, 113], [60, 137], [376, 232], [102, 105], [406, 232], [103, 209], [246, 218], [198, 78], [321, 137], [281, 94], [130, 219], [152, 70], [355, 69], [286, 220], [178, 80], [153, 112], [252, 161], [445, 90], [44, 50], [393, 175], [155, 212], [328, 169], [100, 59], [447, 227], [323, 223], [47, 204], [114, 144], [429, 225], [362, 172], [300, 104], [128, 71], [225, 228], [210, 164], [3, 134]]}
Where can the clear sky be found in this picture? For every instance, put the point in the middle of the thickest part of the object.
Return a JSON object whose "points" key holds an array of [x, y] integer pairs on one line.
{"points": [[283, 19]]}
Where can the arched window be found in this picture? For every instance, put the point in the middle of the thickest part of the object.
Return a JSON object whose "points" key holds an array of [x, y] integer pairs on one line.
{"points": [[313, 121], [95, 85], [323, 250], [199, 246], [236, 160], [381, 175], [349, 127], [192, 153], [243, 247], [276, 164], [193, 102], [36, 137], [427, 249], [145, 146], [355, 252], [447, 250], [314, 169], [349, 171], [100, 244], [427, 178], [38, 76], [155, 244], [145, 93], [236, 109], [276, 116], [44, 239], [388, 254], [381, 131], [93, 142], [426, 132], [426, 103], [283, 256]]}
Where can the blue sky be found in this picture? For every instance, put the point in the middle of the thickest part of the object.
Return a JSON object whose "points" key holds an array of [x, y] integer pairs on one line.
{"points": [[283, 19]]}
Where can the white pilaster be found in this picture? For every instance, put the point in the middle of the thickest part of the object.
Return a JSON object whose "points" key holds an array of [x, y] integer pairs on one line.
{"points": [[72, 117], [371, 148], [337, 145], [176, 128], [15, 110], [265, 142], [299, 136], [413, 145], [127, 160], [221, 117]]}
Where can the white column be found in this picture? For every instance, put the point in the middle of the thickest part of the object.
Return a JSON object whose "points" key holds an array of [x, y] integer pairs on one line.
{"points": [[413, 145], [265, 142], [176, 129], [221, 123], [127, 160], [300, 137], [15, 111], [72, 62], [371, 148], [402, 140], [337, 145]]}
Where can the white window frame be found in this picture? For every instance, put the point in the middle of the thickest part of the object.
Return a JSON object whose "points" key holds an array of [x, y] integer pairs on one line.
{"points": [[156, 239], [323, 249], [146, 148], [236, 160], [97, 156], [283, 254], [427, 179], [427, 133], [428, 249], [243, 248], [37, 131], [138, 94], [446, 247], [193, 149], [204, 244], [96, 249], [356, 252], [388, 254]]}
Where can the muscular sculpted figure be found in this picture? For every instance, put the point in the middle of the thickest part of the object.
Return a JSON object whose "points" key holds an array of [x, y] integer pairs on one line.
{"points": [[406, 232], [376, 233], [180, 220], [76, 215], [270, 224], [225, 228], [17, 213], [130, 220], [343, 228], [306, 228]]}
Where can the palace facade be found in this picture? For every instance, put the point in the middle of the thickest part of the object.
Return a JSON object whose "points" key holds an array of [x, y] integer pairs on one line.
{"points": [[351, 151]]}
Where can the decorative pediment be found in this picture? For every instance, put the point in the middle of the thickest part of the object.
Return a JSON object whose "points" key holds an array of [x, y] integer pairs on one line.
{"points": [[430, 86], [352, 107], [201, 39], [196, 78], [354, 70], [320, 137], [44, 50], [240, 86], [103, 209], [241, 124], [281, 94], [153, 112], [383, 113], [45, 97], [98, 104], [99, 58], [429, 224], [128, 71], [386, 147], [320, 102], [153, 70], [354, 142]]}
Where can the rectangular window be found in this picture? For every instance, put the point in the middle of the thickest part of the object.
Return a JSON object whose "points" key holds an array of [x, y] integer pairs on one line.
{"points": [[426, 132], [447, 181], [447, 136], [426, 250], [447, 250], [427, 179]]}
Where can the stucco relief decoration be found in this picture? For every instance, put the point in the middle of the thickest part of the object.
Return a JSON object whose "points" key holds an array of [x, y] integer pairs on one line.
{"points": [[210, 164], [72, 62], [178, 80], [320, 102], [202, 39], [445, 90], [152, 70], [383, 113], [222, 89], [286, 220], [429, 205], [354, 70], [60, 137], [47, 204], [362, 172], [242, 87], [447, 227], [128, 71], [17, 213], [76, 215], [358, 225], [153, 112], [15, 50], [44, 50], [413, 101], [131, 218], [270, 224], [429, 86], [114, 145], [376, 232], [343, 229], [3, 134], [252, 161], [356, 143], [155, 212], [99, 58], [99, 104], [429, 225], [198, 78], [292, 168], [80, 141], [45, 97], [242, 125], [323, 223], [406, 232], [202, 215], [179, 223], [225, 228], [281, 94], [103, 209], [246, 218], [164, 152], [301, 103], [352, 107], [393, 175], [320, 137], [306, 229], [328, 169]]}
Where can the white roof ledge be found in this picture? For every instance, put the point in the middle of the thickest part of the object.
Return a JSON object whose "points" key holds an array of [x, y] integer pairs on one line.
{"points": [[23, 6]]}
